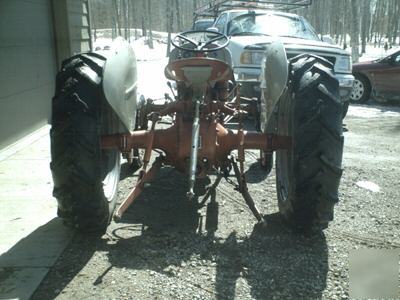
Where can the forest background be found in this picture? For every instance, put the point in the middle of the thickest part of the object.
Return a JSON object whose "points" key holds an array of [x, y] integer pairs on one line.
{"points": [[350, 23]]}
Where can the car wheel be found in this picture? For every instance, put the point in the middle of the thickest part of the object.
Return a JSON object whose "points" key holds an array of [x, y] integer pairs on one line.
{"points": [[361, 90]]}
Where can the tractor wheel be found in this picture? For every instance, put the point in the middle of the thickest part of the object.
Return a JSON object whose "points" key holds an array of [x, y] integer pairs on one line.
{"points": [[85, 177], [345, 109], [308, 174]]}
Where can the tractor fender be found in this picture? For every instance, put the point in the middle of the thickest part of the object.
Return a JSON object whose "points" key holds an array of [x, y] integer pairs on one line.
{"points": [[120, 81], [274, 77]]}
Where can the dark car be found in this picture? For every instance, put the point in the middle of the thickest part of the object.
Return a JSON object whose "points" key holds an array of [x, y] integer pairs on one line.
{"points": [[379, 78]]}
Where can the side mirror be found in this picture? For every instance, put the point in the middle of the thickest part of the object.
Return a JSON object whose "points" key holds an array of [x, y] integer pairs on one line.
{"points": [[214, 29], [328, 39]]}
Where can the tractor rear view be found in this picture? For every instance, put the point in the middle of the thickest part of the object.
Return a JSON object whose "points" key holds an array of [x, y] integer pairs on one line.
{"points": [[94, 123]]}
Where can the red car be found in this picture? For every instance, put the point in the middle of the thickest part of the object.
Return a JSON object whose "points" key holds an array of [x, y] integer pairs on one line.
{"points": [[379, 78]]}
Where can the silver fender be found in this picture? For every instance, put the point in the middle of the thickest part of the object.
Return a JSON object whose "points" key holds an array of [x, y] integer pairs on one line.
{"points": [[120, 81], [274, 76]]}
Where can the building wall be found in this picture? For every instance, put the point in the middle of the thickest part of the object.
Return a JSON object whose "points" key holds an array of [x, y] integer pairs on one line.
{"points": [[72, 27], [27, 67], [35, 36]]}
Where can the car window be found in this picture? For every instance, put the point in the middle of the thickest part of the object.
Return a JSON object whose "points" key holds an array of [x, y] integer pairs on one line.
{"points": [[220, 24], [396, 58], [202, 25]]}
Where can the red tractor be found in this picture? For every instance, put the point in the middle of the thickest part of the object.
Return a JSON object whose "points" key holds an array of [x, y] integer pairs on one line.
{"points": [[96, 118]]}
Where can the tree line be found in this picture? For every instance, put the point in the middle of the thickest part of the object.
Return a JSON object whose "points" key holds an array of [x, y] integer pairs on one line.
{"points": [[364, 21], [144, 15], [351, 23]]}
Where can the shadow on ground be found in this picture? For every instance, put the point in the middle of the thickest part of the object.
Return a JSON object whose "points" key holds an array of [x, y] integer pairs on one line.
{"points": [[24, 265], [162, 231], [167, 232]]}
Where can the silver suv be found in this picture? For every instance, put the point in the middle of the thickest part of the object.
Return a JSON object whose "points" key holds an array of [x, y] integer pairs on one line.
{"points": [[251, 31]]}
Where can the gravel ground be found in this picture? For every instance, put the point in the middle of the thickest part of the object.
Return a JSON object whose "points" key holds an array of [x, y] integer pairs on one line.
{"points": [[161, 250]]}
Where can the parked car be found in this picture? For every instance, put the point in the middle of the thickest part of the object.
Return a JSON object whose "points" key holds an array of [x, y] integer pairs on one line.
{"points": [[252, 30], [378, 78]]}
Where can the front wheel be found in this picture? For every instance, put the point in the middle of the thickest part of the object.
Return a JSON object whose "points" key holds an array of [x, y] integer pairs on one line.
{"points": [[308, 174]]}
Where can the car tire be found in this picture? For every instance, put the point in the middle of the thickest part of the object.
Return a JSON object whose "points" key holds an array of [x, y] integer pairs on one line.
{"points": [[361, 89], [85, 176], [309, 172]]}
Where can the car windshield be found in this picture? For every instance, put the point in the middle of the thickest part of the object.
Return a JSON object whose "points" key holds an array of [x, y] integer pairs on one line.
{"points": [[387, 55], [271, 24], [392, 51]]}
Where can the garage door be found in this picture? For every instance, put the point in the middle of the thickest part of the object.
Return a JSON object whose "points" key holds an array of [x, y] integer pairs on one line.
{"points": [[27, 67]]}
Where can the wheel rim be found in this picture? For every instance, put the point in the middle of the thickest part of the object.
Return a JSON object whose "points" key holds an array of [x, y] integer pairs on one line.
{"points": [[112, 167], [283, 157], [111, 159], [358, 90]]}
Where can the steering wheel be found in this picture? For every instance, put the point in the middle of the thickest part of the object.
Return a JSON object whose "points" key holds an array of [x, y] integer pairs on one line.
{"points": [[199, 46]]}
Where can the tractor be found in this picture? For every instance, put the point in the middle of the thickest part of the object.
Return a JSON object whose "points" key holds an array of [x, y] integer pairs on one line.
{"points": [[96, 119]]}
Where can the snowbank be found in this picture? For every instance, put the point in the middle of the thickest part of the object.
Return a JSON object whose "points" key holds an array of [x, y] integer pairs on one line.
{"points": [[141, 47]]}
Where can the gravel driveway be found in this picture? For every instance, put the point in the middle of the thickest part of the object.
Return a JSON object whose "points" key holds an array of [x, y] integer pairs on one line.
{"points": [[161, 250]]}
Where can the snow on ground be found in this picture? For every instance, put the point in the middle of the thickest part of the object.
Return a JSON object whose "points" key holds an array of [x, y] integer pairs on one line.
{"points": [[151, 62], [141, 47], [369, 111]]}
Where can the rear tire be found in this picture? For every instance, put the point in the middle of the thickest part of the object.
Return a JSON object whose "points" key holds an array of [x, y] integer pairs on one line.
{"points": [[308, 174], [345, 109], [85, 177]]}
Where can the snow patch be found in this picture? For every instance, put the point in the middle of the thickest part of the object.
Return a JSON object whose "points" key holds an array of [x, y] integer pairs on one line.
{"points": [[368, 185], [372, 112]]}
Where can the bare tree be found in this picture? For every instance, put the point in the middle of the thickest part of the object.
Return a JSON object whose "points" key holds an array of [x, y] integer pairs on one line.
{"points": [[365, 23], [117, 20], [128, 16], [345, 22], [124, 12], [393, 21], [151, 46], [178, 15], [378, 19], [355, 31], [133, 10], [169, 24], [144, 18]]}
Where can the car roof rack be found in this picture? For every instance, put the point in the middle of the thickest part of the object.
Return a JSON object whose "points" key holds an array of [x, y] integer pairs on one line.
{"points": [[215, 7]]}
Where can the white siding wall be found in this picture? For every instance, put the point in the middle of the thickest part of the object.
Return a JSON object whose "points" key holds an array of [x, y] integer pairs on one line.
{"points": [[27, 67], [79, 24], [35, 36]]}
